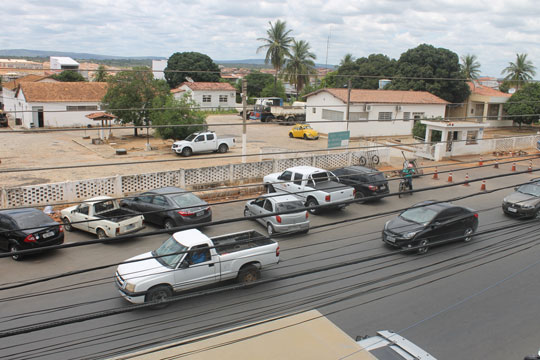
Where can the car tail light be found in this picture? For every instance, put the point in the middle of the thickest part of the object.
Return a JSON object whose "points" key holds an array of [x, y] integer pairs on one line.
{"points": [[117, 231], [307, 214], [185, 213], [30, 238], [327, 198], [372, 187], [476, 215], [278, 219], [61, 228], [277, 251], [354, 193]]}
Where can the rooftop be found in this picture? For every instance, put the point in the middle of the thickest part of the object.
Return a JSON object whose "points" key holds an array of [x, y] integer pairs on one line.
{"points": [[208, 86], [486, 91], [384, 96], [64, 91]]}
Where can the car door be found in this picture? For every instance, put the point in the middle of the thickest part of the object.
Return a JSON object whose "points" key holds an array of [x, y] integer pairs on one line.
{"points": [[211, 142], [459, 219], [297, 131], [200, 143], [442, 226], [158, 209], [5, 227], [79, 217], [267, 208], [188, 275], [143, 204], [284, 181], [256, 208]]}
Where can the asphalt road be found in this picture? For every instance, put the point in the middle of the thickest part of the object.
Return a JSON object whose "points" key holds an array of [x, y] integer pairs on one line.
{"points": [[459, 301]]}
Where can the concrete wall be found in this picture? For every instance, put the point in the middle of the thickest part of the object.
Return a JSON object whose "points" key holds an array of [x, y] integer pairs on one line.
{"points": [[372, 126]]}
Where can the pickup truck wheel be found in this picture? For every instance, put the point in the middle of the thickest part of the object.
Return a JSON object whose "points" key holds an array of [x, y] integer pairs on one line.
{"points": [[13, 248], [67, 224], [310, 204], [187, 152], [270, 229], [248, 274], [158, 294], [101, 234], [223, 148]]}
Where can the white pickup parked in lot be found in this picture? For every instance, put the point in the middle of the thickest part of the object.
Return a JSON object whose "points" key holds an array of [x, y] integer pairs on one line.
{"points": [[315, 186], [102, 216], [190, 259], [202, 142]]}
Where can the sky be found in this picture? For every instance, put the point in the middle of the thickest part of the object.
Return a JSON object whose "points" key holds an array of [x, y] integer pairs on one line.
{"points": [[495, 30]]}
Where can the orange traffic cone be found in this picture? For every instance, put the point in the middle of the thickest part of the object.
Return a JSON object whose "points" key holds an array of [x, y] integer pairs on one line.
{"points": [[466, 180], [483, 186], [513, 166], [450, 177], [435, 175], [481, 162], [496, 166]]}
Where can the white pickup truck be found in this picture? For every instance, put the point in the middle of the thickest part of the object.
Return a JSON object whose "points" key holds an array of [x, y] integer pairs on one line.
{"points": [[315, 186], [202, 142], [190, 259], [102, 216]]}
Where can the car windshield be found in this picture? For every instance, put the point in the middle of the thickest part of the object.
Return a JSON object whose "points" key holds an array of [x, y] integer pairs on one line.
{"points": [[171, 246], [307, 127], [29, 220], [187, 200], [191, 137], [420, 215], [530, 189], [289, 205]]}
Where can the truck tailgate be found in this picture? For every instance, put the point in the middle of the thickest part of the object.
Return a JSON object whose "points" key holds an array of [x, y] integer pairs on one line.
{"points": [[132, 224]]}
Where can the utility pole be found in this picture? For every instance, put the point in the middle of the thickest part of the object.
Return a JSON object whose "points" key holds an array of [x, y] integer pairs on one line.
{"points": [[348, 103], [244, 117]]}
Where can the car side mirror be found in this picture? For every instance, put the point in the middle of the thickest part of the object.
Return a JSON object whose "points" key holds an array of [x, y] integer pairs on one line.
{"points": [[184, 264], [436, 224]]}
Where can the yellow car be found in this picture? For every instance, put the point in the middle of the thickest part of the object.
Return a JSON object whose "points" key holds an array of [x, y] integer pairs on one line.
{"points": [[303, 131]]}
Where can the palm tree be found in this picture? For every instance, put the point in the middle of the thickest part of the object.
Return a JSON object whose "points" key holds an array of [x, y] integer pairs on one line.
{"points": [[347, 59], [520, 71], [470, 66], [299, 65], [277, 46]]}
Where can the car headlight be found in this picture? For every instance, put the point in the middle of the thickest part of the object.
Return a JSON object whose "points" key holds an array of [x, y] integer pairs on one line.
{"points": [[130, 287], [527, 206], [410, 235]]}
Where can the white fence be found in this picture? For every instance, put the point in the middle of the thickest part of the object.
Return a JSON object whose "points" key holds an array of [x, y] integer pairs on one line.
{"points": [[193, 179]]}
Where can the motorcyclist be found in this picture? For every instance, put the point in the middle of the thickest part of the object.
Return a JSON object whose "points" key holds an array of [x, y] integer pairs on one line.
{"points": [[408, 172]]}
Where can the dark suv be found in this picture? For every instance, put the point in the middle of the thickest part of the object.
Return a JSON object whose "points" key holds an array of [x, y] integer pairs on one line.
{"points": [[170, 207], [22, 229], [366, 181]]}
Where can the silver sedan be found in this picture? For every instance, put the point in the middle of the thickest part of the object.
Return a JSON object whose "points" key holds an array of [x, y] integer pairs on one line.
{"points": [[282, 223]]}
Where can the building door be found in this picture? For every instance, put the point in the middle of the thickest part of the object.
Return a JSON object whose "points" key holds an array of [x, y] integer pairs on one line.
{"points": [[37, 117]]}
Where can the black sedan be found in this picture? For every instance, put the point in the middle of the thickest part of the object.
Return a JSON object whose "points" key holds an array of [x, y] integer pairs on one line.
{"points": [[170, 207], [428, 223], [23, 229], [367, 182]]}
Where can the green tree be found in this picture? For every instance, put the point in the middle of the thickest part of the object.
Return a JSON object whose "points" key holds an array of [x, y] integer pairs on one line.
{"points": [[68, 76], [470, 66], [309, 88], [277, 46], [256, 81], [523, 106], [101, 74], [177, 112], [436, 70], [347, 59], [367, 72], [197, 66], [130, 95], [519, 72], [271, 90], [300, 65]]}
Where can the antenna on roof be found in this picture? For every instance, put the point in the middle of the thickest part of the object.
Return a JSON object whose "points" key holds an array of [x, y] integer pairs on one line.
{"points": [[327, 45]]}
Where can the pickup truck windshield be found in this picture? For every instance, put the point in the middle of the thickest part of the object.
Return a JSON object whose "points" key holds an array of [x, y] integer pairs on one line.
{"points": [[190, 137], [171, 246]]}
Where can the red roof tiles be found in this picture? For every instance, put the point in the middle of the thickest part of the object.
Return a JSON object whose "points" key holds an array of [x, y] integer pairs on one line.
{"points": [[212, 86], [384, 96]]}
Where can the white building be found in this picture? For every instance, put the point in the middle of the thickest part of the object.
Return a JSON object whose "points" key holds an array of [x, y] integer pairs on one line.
{"points": [[371, 112], [158, 67], [208, 95], [9, 88], [63, 63], [56, 104]]}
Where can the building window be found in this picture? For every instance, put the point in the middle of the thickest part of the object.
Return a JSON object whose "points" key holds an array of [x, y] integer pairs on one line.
{"points": [[471, 137], [314, 110], [418, 115], [332, 115], [406, 116], [358, 116], [223, 98], [383, 115], [82, 108], [206, 98]]}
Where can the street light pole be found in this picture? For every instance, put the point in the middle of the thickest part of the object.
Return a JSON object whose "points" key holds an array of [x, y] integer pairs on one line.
{"points": [[244, 117]]}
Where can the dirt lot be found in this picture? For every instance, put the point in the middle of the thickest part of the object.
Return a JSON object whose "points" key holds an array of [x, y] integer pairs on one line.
{"points": [[71, 148]]}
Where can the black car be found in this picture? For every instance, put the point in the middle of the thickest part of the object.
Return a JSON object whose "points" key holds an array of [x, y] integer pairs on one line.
{"points": [[170, 207], [23, 229], [366, 181], [430, 222]]}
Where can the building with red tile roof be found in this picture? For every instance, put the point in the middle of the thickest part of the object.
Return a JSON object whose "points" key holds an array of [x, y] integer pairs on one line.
{"points": [[207, 95]]}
